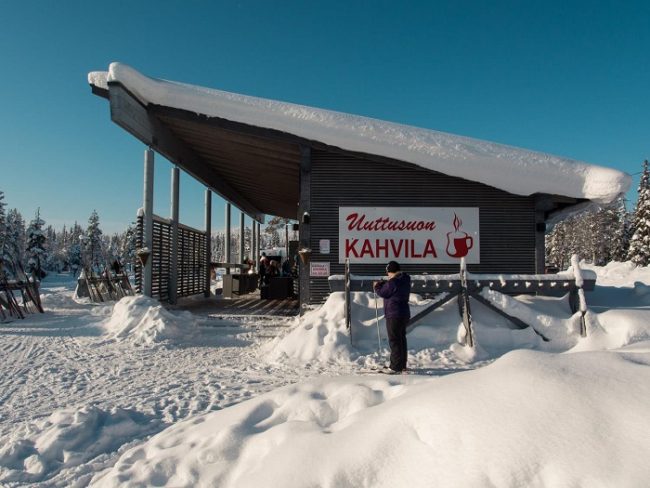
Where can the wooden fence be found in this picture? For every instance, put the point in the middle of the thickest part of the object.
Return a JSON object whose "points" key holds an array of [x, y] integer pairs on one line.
{"points": [[191, 259], [10, 307]]}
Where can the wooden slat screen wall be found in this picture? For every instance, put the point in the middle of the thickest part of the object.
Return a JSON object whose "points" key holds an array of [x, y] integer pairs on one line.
{"points": [[507, 221], [191, 259]]}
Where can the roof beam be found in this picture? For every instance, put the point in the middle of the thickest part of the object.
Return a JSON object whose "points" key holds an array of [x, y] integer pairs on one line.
{"points": [[132, 116], [239, 128]]}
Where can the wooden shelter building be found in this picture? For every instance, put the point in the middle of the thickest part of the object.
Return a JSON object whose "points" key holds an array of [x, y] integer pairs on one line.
{"points": [[366, 190]]}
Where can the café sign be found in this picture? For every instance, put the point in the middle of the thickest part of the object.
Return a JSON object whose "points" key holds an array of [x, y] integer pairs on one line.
{"points": [[423, 235]]}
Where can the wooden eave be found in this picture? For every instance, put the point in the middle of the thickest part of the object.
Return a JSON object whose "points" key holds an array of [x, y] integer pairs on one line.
{"points": [[264, 170], [256, 169], [554, 204]]}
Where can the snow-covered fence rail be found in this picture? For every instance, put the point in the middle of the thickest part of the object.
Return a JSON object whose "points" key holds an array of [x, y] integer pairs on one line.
{"points": [[191, 267], [510, 284]]}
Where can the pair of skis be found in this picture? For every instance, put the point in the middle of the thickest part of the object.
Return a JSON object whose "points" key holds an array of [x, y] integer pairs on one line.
{"points": [[386, 371]]}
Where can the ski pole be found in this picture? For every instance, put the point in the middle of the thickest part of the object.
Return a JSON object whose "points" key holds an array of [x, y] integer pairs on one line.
{"points": [[377, 322]]}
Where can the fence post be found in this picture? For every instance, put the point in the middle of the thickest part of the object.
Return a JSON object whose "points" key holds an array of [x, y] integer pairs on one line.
{"points": [[173, 261], [577, 298], [242, 235], [226, 243], [208, 241], [463, 302], [147, 271], [348, 311]]}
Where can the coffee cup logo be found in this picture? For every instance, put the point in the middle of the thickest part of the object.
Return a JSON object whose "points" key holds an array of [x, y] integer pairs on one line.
{"points": [[458, 242]]}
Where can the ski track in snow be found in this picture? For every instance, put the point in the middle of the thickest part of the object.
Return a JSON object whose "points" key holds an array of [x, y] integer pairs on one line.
{"points": [[61, 360], [73, 399]]}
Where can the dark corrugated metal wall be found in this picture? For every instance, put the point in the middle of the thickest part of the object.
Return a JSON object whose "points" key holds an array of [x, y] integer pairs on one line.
{"points": [[507, 222]]}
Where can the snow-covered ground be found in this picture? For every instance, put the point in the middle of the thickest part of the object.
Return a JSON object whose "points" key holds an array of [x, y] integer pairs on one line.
{"points": [[132, 394]]}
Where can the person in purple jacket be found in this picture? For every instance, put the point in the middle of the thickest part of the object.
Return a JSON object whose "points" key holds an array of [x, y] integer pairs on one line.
{"points": [[395, 293]]}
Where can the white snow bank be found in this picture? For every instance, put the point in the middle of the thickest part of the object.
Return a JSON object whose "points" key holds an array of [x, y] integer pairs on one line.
{"points": [[614, 329], [321, 334], [619, 274], [511, 169], [143, 320], [69, 438], [530, 419]]}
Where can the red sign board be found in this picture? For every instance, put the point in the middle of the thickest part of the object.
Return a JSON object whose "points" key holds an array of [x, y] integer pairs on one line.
{"points": [[428, 235]]}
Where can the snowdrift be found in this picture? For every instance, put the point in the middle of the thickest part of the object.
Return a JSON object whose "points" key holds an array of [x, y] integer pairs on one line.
{"points": [[529, 419], [616, 318], [69, 438], [144, 321], [321, 335]]}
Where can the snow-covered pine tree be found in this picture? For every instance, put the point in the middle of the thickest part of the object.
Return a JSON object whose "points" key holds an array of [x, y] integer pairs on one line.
{"points": [[275, 231], [639, 252], [619, 236], [73, 248], [15, 244], [560, 243], [93, 242], [588, 234], [127, 249], [55, 260], [554, 243], [217, 247], [4, 251], [247, 242], [36, 252], [112, 245]]}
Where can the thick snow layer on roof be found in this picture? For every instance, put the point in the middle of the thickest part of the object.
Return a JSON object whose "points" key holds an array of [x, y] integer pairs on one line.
{"points": [[514, 170]]}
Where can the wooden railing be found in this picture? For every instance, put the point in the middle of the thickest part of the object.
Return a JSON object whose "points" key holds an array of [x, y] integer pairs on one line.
{"points": [[465, 285]]}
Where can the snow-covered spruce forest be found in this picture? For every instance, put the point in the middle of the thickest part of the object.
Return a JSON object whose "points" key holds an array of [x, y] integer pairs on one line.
{"points": [[40, 248], [598, 236]]}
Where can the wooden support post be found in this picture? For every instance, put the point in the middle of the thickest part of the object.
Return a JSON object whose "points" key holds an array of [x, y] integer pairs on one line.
{"points": [[147, 271], [540, 242], [446, 297], [286, 240], [577, 295], [463, 304], [242, 234], [173, 265], [305, 225], [253, 242], [574, 300], [208, 241], [258, 241], [516, 322], [227, 238], [348, 306]]}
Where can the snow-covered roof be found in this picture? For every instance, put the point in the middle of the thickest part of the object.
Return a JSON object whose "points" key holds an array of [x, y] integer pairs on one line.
{"points": [[511, 169]]}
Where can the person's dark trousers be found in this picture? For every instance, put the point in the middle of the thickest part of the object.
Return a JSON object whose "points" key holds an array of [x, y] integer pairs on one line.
{"points": [[396, 329]]}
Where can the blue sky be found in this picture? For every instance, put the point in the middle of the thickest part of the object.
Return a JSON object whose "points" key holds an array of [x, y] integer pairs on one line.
{"points": [[567, 78]]}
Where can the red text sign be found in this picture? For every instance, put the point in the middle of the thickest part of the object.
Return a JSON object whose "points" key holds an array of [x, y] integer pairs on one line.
{"points": [[409, 235]]}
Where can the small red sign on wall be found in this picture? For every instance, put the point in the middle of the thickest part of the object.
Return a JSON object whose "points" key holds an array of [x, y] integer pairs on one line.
{"points": [[319, 270]]}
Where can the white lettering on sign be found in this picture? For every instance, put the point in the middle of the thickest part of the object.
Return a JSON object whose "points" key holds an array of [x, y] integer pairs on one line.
{"points": [[431, 235], [319, 270]]}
